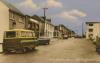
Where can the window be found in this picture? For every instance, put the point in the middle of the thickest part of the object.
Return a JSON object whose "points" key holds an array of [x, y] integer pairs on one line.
{"points": [[11, 15], [10, 34], [90, 30], [30, 34], [23, 34], [33, 34], [13, 24], [21, 19], [90, 24], [90, 36], [27, 34]]}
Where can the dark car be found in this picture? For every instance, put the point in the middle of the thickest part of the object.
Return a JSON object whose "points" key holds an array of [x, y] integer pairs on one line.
{"points": [[43, 41], [65, 37]]}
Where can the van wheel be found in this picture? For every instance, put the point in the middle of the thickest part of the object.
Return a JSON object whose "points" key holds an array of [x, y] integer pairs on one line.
{"points": [[6, 52]]}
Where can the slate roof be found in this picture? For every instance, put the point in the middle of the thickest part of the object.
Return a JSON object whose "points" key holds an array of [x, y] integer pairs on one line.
{"points": [[64, 26], [38, 18], [91, 22]]}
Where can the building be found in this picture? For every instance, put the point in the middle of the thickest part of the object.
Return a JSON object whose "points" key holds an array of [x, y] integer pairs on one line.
{"points": [[64, 31], [72, 34], [49, 29], [61, 31], [57, 33], [41, 24], [46, 28], [10, 18], [32, 24], [16, 18], [92, 30]]}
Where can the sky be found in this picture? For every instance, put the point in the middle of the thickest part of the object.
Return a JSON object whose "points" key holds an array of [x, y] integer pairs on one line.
{"points": [[71, 13]]}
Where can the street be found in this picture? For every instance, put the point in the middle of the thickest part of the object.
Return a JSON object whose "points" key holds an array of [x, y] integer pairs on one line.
{"points": [[59, 51]]}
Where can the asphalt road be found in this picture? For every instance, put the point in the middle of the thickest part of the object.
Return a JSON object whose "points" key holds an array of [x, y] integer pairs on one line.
{"points": [[59, 51]]}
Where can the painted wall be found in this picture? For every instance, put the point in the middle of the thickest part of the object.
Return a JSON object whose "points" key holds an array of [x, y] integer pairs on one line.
{"points": [[96, 30], [49, 30], [4, 20]]}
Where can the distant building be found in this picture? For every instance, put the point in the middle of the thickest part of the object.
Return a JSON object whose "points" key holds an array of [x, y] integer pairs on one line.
{"points": [[92, 30], [72, 34], [57, 33], [62, 31], [10, 18]]}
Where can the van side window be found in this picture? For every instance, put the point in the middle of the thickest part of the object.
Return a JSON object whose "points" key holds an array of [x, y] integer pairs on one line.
{"points": [[10, 34], [33, 34]]}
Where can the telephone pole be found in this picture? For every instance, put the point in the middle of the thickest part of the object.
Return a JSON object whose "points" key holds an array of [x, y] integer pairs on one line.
{"points": [[45, 32], [82, 29], [44, 9]]}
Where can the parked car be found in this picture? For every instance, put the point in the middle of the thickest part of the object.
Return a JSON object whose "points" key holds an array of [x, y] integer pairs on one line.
{"points": [[98, 45], [43, 41], [65, 37], [77, 36]]}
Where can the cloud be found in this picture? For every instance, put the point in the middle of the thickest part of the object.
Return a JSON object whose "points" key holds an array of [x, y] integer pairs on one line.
{"points": [[76, 12], [72, 15], [14, 2], [66, 15], [54, 3], [28, 6]]}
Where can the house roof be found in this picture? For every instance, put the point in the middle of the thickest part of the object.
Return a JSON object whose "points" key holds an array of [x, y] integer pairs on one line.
{"points": [[63, 26], [11, 7], [91, 22], [38, 18]]}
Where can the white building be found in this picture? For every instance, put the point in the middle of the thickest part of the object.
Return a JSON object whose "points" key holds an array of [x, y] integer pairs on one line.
{"points": [[10, 18], [4, 19], [46, 28], [49, 29], [92, 30]]}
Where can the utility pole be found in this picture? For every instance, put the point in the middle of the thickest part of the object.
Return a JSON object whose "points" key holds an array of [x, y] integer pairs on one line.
{"points": [[45, 32], [44, 9], [82, 29]]}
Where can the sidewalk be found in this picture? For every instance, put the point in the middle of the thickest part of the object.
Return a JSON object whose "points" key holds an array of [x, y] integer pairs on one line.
{"points": [[0, 47]]}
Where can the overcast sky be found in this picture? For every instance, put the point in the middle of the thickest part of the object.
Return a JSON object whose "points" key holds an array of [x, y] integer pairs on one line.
{"points": [[71, 13]]}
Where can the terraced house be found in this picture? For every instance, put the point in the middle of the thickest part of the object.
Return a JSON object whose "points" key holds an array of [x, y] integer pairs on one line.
{"points": [[10, 18], [46, 28], [62, 32], [32, 24]]}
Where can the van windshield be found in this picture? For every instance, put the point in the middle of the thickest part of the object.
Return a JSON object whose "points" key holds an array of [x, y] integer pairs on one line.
{"points": [[10, 34]]}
